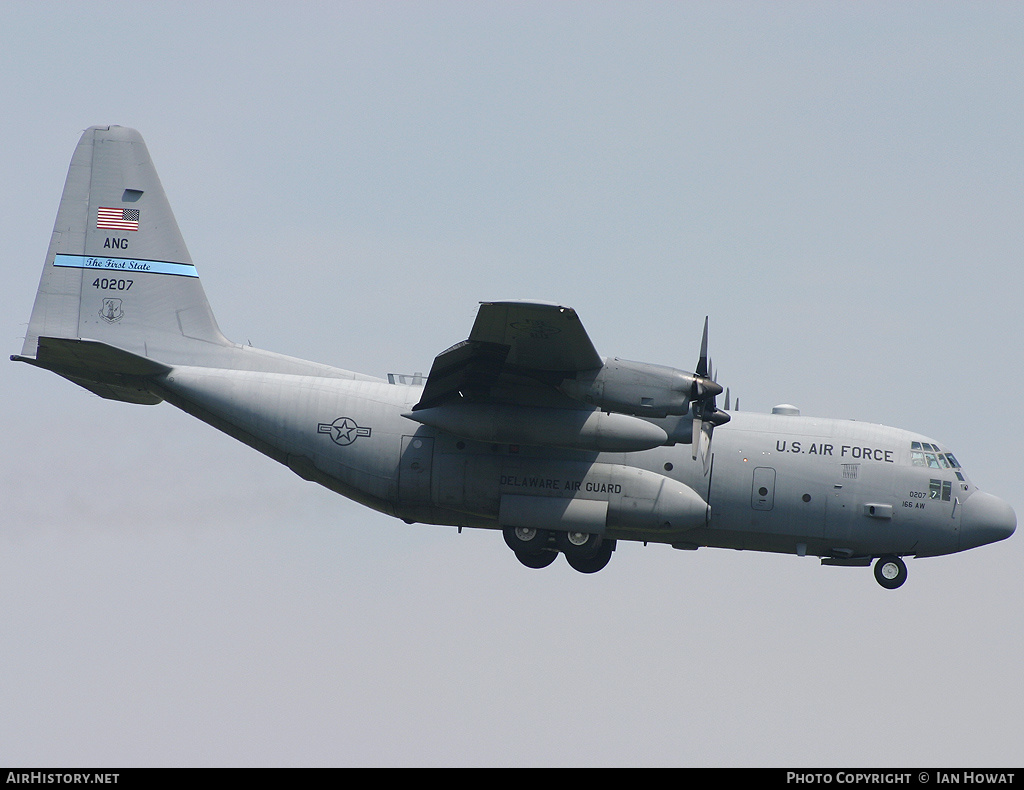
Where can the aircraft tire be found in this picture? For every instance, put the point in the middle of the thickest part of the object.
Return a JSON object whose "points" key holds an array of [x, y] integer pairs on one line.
{"points": [[890, 572], [526, 539], [539, 559], [578, 544], [595, 563]]}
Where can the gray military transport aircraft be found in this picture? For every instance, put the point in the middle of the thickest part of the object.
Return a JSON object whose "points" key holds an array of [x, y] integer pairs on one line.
{"points": [[522, 427]]}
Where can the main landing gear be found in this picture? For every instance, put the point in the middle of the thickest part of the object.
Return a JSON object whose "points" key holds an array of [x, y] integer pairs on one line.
{"points": [[538, 548], [890, 572]]}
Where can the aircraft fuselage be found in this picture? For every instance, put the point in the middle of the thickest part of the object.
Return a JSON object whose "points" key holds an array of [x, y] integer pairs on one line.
{"points": [[777, 482]]}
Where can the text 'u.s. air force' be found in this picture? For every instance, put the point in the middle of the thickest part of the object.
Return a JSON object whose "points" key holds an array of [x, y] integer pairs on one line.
{"points": [[842, 451]]}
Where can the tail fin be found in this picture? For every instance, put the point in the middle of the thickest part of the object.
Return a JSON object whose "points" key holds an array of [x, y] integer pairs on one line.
{"points": [[117, 271]]}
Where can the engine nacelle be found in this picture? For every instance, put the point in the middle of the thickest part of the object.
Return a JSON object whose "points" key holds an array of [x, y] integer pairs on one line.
{"points": [[637, 388], [575, 429]]}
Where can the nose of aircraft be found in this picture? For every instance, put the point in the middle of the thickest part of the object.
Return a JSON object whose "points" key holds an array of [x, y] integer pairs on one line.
{"points": [[985, 519]]}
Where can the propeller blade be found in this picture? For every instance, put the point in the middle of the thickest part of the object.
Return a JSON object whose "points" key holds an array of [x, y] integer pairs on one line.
{"points": [[706, 415], [706, 457], [702, 363]]}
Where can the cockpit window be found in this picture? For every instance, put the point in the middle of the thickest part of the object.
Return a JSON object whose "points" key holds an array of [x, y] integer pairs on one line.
{"points": [[928, 459], [929, 456]]}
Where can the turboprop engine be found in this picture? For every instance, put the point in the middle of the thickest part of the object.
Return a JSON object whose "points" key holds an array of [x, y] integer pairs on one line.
{"points": [[638, 388], [584, 429]]}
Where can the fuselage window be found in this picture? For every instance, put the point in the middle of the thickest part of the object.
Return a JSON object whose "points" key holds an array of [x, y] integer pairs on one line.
{"points": [[940, 489]]}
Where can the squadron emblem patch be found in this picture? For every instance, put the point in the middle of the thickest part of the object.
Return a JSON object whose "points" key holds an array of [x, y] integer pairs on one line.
{"points": [[111, 311]]}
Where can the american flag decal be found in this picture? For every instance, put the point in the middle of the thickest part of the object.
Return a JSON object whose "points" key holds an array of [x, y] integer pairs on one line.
{"points": [[117, 218]]}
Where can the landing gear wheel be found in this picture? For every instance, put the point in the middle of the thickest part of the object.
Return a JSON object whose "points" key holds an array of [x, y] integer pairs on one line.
{"points": [[595, 563], [583, 545], [526, 540], [890, 572], [540, 559]]}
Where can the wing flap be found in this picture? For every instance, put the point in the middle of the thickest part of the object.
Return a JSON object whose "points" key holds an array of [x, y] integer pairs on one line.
{"points": [[517, 352], [470, 369], [540, 336]]}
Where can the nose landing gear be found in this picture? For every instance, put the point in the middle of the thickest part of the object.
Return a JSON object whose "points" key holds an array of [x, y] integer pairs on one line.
{"points": [[890, 572]]}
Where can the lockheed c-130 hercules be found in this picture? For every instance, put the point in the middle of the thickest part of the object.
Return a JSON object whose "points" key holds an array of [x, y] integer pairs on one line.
{"points": [[523, 427]]}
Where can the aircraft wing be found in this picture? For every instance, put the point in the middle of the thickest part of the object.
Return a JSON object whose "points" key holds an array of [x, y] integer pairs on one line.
{"points": [[512, 345]]}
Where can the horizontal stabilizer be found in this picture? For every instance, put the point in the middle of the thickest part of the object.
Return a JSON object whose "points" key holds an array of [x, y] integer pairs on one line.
{"points": [[110, 372]]}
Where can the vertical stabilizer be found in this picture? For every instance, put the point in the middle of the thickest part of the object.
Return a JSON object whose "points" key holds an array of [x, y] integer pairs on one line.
{"points": [[117, 270]]}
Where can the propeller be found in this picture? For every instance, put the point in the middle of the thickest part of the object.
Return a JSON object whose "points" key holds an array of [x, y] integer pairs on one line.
{"points": [[706, 414]]}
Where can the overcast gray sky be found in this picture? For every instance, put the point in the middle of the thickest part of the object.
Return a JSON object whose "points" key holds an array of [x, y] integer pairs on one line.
{"points": [[840, 186]]}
